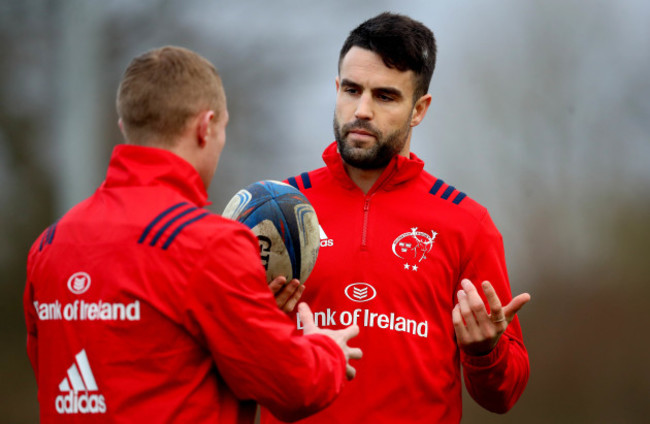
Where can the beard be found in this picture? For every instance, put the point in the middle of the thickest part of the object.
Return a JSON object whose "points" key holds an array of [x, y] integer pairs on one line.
{"points": [[376, 156]]}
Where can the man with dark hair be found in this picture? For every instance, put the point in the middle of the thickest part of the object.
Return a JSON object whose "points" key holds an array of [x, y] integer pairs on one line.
{"points": [[401, 250], [384, 35], [142, 306]]}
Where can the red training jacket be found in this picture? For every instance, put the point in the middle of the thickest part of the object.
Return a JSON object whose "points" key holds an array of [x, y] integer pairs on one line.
{"points": [[141, 306], [391, 261]]}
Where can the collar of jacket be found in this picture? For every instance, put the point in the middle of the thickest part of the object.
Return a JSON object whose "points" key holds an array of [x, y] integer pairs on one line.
{"points": [[399, 170], [132, 165]]}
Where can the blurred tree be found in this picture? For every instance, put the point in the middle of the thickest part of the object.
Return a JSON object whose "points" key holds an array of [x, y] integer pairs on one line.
{"points": [[26, 201]]}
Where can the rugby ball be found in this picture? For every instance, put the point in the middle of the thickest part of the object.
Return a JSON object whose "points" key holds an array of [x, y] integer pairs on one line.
{"points": [[285, 224]]}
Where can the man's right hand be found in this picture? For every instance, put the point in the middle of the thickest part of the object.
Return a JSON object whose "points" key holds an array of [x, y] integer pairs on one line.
{"points": [[287, 294], [341, 337]]}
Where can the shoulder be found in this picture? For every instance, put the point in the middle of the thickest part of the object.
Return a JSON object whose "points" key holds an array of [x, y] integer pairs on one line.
{"points": [[306, 180], [447, 204], [455, 210], [45, 239], [185, 225], [446, 194]]}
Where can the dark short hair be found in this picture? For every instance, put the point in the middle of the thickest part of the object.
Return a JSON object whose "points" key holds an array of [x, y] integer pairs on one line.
{"points": [[402, 43]]}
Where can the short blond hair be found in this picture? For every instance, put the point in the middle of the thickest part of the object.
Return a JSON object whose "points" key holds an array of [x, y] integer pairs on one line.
{"points": [[162, 89]]}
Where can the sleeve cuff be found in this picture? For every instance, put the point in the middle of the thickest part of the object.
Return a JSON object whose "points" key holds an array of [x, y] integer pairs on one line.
{"points": [[489, 359]]}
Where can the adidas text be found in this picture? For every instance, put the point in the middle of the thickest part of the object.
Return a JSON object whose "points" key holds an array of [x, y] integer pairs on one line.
{"points": [[326, 243], [80, 402], [77, 386]]}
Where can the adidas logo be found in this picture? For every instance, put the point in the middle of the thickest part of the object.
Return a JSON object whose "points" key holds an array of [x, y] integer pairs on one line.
{"points": [[324, 241], [78, 383]]}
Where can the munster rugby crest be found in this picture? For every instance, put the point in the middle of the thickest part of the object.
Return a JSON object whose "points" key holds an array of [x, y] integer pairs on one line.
{"points": [[413, 247]]}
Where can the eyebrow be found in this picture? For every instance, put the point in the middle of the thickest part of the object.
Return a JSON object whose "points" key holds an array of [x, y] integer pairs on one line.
{"points": [[391, 91]]}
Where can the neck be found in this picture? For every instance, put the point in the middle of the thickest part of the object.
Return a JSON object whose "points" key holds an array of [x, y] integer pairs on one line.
{"points": [[366, 178], [363, 178]]}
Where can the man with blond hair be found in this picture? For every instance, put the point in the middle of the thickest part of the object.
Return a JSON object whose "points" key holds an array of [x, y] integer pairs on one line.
{"points": [[143, 306]]}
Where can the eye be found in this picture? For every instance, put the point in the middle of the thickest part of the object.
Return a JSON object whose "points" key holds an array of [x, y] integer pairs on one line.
{"points": [[385, 98], [350, 90]]}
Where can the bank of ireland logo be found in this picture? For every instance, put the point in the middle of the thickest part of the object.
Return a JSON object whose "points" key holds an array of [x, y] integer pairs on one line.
{"points": [[413, 247], [79, 282], [360, 292]]}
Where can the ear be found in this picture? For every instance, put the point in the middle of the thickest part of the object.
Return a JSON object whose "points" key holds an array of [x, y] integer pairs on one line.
{"points": [[338, 84], [420, 109], [203, 126], [121, 125]]}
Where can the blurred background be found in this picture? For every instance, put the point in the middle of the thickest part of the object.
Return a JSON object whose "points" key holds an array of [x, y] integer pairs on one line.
{"points": [[541, 112]]}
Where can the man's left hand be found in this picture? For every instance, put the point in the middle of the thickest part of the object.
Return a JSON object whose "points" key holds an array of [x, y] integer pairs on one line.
{"points": [[478, 332]]}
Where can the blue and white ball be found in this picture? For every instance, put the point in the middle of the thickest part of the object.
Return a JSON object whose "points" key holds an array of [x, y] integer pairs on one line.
{"points": [[285, 224]]}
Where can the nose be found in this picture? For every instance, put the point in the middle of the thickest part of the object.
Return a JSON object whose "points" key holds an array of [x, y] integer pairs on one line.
{"points": [[364, 107]]}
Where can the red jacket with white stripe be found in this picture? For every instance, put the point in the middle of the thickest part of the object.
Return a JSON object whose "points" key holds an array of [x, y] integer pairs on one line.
{"points": [[141, 306], [391, 261]]}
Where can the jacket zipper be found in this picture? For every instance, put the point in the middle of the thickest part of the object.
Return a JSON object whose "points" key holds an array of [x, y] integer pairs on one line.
{"points": [[364, 231], [366, 210]]}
